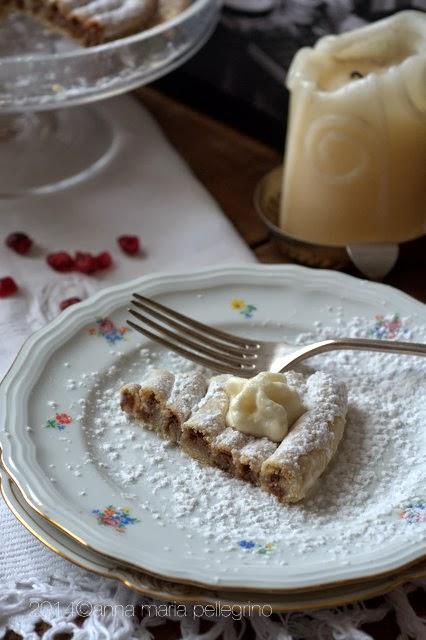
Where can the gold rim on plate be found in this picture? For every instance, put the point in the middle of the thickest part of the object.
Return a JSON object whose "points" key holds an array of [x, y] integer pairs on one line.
{"points": [[192, 583], [184, 594], [406, 572]]}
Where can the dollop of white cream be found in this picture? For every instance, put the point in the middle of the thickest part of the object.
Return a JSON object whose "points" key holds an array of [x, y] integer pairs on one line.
{"points": [[263, 406]]}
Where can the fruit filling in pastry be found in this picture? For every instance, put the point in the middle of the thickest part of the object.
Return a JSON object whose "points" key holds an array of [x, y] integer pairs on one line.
{"points": [[278, 431]]}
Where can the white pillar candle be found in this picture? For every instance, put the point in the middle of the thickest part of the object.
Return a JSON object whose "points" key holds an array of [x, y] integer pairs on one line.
{"points": [[355, 162]]}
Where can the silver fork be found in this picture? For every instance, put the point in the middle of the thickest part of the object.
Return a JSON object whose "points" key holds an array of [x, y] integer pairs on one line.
{"points": [[228, 353]]}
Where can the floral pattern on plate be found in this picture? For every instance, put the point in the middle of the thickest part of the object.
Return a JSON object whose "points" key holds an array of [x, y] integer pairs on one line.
{"points": [[117, 518], [59, 422], [414, 512], [388, 328], [240, 305], [107, 329], [251, 545]]}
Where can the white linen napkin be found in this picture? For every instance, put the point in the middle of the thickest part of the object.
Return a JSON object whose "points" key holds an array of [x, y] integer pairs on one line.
{"points": [[145, 190]]}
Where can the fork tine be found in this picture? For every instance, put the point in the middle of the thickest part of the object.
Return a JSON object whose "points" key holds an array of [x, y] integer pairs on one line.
{"points": [[211, 331], [191, 344], [206, 362], [194, 333]]}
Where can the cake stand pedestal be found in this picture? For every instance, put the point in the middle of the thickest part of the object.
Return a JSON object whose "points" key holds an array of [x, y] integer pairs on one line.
{"points": [[50, 150], [49, 138]]}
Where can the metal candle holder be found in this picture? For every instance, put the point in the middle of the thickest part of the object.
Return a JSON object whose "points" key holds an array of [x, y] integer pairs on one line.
{"points": [[373, 260]]}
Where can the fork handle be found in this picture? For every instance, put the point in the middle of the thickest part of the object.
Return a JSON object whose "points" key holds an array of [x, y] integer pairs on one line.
{"points": [[365, 344]]}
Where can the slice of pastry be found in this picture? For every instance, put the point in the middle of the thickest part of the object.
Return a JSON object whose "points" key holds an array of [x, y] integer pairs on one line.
{"points": [[207, 436], [277, 431], [311, 443], [164, 401], [92, 22]]}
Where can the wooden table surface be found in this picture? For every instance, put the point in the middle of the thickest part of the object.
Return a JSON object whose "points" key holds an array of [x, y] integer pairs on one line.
{"points": [[229, 164]]}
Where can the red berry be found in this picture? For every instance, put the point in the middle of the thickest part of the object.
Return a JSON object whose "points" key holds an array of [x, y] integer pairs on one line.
{"points": [[104, 260], [8, 287], [68, 302], [129, 244], [60, 261], [19, 242], [85, 262]]}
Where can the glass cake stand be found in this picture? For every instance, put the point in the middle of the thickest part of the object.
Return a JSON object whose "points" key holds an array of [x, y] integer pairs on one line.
{"points": [[46, 142]]}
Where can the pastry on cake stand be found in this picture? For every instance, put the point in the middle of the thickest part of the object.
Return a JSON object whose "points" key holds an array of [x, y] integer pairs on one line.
{"points": [[50, 137]]}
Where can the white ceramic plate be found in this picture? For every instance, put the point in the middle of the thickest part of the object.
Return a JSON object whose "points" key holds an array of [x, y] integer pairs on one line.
{"points": [[119, 490], [65, 546]]}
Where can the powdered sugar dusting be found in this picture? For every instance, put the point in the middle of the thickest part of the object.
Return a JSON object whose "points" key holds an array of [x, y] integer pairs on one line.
{"points": [[188, 389], [355, 502], [326, 401]]}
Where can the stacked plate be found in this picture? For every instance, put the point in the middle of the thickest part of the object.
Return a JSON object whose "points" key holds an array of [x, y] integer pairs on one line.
{"points": [[113, 498]]}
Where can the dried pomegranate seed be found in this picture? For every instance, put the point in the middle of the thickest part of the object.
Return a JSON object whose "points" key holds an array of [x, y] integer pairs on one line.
{"points": [[19, 242], [104, 260], [68, 302], [129, 244], [8, 287], [60, 261], [85, 262]]}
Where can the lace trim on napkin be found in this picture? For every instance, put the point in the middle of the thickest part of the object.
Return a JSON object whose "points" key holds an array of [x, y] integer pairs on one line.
{"points": [[60, 600]]}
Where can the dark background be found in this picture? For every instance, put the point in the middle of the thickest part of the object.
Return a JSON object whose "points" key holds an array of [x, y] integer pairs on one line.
{"points": [[239, 75]]}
